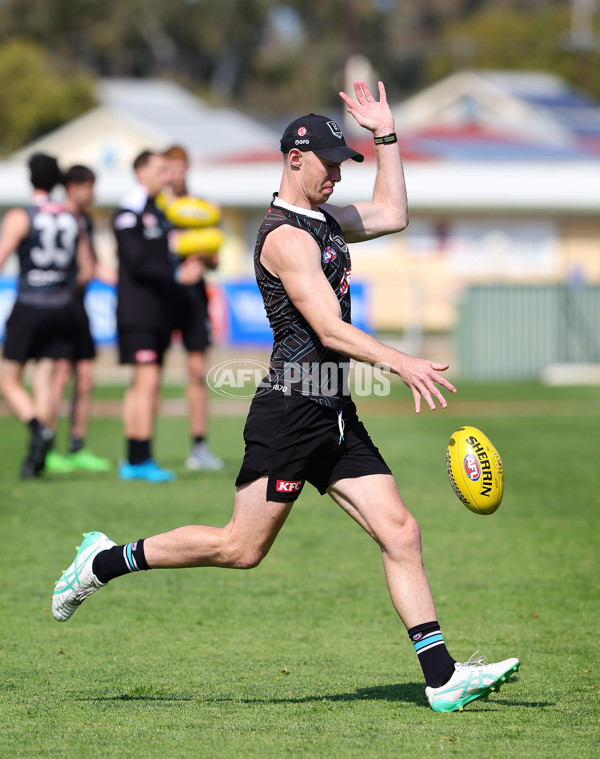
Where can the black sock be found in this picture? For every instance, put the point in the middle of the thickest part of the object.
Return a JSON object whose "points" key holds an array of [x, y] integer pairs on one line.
{"points": [[138, 451], [199, 439], [75, 444], [435, 661], [120, 560], [35, 425]]}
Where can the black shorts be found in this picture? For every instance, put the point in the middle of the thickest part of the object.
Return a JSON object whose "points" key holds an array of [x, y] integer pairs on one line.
{"points": [[293, 439], [34, 333], [189, 315], [142, 346], [84, 348]]}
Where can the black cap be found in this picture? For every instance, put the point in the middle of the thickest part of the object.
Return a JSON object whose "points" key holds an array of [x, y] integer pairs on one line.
{"points": [[318, 134]]}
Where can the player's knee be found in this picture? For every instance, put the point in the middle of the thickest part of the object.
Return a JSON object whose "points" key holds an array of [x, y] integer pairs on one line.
{"points": [[85, 381], [412, 532], [62, 372], [146, 383], [244, 556], [248, 558], [404, 537], [8, 382]]}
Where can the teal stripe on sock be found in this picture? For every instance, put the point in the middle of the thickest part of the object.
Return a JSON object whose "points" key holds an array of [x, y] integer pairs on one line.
{"points": [[129, 558], [428, 641]]}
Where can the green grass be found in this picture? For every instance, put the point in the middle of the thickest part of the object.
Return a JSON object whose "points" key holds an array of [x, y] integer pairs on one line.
{"points": [[304, 654]]}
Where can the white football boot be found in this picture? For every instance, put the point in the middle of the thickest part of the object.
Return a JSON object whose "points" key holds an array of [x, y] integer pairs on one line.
{"points": [[78, 581], [471, 680], [202, 458]]}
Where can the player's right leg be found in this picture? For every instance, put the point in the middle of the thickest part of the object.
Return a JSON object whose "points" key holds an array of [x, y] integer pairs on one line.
{"points": [[241, 544], [144, 350], [375, 503], [17, 398]]}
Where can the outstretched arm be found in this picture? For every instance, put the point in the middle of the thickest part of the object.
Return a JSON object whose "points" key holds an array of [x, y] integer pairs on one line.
{"points": [[387, 211], [294, 257]]}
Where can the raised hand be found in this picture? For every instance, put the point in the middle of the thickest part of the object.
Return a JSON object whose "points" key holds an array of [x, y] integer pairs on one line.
{"points": [[374, 115]]}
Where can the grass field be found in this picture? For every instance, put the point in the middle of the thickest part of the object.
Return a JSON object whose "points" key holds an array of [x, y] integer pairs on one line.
{"points": [[304, 654]]}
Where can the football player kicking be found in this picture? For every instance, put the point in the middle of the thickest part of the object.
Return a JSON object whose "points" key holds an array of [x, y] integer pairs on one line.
{"points": [[302, 424]]}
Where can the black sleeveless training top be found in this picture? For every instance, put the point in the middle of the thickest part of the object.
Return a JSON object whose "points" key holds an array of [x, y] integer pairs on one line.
{"points": [[299, 360]]}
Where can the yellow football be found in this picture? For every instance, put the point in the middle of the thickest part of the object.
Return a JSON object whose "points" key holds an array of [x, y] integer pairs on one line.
{"points": [[189, 211], [475, 470], [189, 242]]}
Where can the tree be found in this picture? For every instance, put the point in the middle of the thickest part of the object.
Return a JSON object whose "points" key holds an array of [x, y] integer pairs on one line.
{"points": [[35, 97], [519, 36]]}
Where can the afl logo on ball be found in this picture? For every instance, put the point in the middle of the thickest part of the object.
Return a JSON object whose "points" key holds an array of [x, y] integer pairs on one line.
{"points": [[472, 468]]}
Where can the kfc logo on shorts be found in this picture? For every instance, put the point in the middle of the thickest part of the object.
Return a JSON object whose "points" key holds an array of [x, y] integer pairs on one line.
{"points": [[302, 131], [288, 486], [329, 255], [145, 356]]}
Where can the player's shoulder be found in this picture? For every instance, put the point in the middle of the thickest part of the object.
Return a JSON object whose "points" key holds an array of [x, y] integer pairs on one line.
{"points": [[16, 213], [130, 208], [17, 219], [135, 200], [333, 214], [289, 246]]}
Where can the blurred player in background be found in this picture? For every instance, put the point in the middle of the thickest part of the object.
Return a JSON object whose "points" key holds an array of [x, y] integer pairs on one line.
{"points": [[189, 314], [302, 423], [147, 278], [79, 186], [54, 258]]}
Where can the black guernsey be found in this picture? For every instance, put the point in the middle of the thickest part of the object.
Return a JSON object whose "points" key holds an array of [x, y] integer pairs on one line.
{"points": [[146, 272], [47, 257], [299, 360]]}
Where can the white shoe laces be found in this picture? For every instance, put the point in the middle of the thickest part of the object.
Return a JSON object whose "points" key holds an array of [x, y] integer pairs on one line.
{"points": [[472, 662]]}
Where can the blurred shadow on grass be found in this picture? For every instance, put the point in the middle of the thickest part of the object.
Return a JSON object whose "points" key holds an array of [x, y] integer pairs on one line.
{"points": [[413, 693]]}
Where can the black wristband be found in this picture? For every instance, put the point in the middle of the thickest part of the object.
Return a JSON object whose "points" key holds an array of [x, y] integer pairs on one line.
{"points": [[388, 139]]}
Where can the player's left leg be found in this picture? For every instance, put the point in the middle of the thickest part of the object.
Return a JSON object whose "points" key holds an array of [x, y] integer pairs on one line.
{"points": [[201, 457], [81, 457], [82, 398], [240, 544], [375, 503], [55, 461], [43, 394], [27, 408]]}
